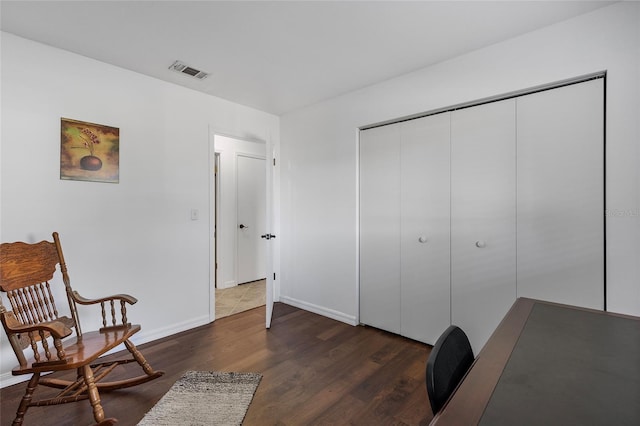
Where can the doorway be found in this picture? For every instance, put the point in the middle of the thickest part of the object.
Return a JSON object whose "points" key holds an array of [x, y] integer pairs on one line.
{"points": [[239, 220]]}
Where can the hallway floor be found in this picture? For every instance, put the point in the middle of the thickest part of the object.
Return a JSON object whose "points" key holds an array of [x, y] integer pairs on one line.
{"points": [[240, 298]]}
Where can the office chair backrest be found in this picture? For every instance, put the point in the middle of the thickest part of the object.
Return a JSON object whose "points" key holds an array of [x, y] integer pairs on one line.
{"points": [[448, 362]]}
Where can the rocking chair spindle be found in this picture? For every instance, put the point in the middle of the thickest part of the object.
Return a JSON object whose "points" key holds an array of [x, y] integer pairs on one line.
{"points": [[41, 338]]}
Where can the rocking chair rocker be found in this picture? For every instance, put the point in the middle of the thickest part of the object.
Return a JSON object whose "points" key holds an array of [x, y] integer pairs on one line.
{"points": [[37, 332]]}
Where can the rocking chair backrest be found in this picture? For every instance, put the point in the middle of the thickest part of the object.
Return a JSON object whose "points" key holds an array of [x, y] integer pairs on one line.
{"points": [[25, 273]]}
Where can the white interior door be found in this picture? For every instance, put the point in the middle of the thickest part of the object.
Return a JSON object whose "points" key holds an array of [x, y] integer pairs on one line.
{"points": [[483, 217], [561, 195], [216, 219], [252, 222], [268, 236], [425, 223], [380, 227]]}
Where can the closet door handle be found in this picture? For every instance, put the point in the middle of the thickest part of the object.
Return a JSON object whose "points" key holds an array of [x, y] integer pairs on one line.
{"points": [[481, 244], [422, 239]]}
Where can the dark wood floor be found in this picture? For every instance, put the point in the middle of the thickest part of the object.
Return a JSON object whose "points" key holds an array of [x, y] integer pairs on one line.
{"points": [[316, 371]]}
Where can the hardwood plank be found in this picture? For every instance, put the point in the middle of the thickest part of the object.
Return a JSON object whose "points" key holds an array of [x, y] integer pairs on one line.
{"points": [[316, 371]]}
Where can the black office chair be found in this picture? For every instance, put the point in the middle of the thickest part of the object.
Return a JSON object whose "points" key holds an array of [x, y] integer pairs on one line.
{"points": [[448, 362]]}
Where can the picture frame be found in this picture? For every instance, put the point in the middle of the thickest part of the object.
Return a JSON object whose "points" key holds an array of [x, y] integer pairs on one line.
{"points": [[89, 151]]}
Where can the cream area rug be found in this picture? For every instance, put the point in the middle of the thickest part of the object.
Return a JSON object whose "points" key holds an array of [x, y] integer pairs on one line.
{"points": [[205, 398]]}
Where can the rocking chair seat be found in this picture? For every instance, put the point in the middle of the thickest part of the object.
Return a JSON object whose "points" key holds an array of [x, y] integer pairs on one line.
{"points": [[82, 351]]}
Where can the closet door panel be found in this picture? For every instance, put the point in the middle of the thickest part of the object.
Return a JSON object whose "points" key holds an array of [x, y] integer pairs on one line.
{"points": [[483, 217], [425, 224], [561, 195], [380, 227]]}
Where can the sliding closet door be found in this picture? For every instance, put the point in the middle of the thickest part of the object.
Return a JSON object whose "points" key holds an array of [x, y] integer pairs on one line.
{"points": [[561, 195], [380, 227], [483, 221], [425, 223]]}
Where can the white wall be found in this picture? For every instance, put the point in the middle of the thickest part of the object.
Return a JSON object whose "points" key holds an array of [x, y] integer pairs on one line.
{"points": [[319, 150], [135, 236], [229, 149]]}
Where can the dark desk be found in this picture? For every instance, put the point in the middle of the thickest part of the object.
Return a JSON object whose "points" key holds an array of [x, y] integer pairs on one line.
{"points": [[551, 364]]}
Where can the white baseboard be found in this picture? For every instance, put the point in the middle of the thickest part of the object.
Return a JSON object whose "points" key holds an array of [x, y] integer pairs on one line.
{"points": [[8, 379], [320, 310], [144, 336], [228, 284]]}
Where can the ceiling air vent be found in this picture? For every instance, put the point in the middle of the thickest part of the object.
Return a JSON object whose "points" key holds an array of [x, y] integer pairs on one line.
{"points": [[185, 69]]}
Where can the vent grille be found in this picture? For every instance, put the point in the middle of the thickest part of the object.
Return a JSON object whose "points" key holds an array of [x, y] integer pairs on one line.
{"points": [[182, 68]]}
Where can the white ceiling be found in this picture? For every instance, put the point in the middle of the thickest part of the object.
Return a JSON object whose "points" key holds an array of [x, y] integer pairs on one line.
{"points": [[277, 56]]}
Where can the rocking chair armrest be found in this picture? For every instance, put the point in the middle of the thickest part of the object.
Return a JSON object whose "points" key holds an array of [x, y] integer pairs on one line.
{"points": [[56, 328], [84, 301]]}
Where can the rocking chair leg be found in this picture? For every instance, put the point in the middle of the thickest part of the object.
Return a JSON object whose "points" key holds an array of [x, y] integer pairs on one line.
{"points": [[94, 396], [139, 357], [26, 399], [107, 422]]}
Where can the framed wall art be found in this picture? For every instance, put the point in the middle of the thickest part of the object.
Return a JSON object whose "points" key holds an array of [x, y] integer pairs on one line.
{"points": [[89, 151]]}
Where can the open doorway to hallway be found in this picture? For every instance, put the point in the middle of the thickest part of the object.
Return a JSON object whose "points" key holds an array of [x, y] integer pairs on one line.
{"points": [[239, 224]]}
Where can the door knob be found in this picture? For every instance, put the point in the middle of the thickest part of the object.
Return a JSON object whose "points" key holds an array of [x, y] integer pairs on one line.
{"points": [[422, 239], [481, 244], [243, 226]]}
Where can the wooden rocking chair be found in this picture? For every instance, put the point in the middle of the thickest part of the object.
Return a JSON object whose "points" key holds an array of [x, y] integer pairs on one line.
{"points": [[36, 330]]}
